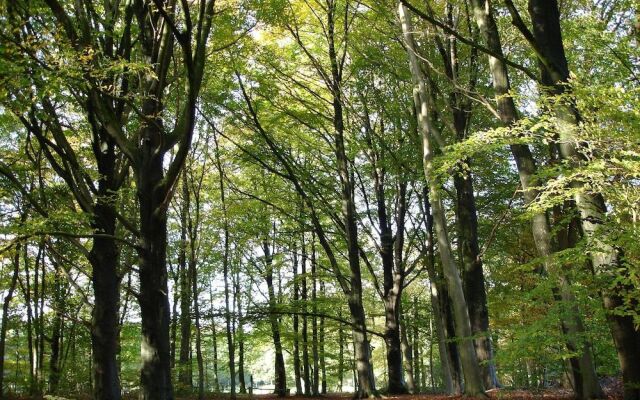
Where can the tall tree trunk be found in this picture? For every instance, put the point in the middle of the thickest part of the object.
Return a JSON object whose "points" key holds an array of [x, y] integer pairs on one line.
{"points": [[155, 373], [5, 313], [175, 276], [296, 324], [407, 355], [193, 275], [415, 340], [591, 205], [473, 275], [366, 384], [38, 319], [279, 368], [196, 311], [470, 367], [390, 251], [315, 388], [341, 368], [104, 258], [154, 303], [214, 339], [439, 304], [453, 350], [225, 272], [306, 366], [55, 357], [424, 371], [185, 376], [240, 333], [26, 291], [466, 214], [323, 365], [526, 166]]}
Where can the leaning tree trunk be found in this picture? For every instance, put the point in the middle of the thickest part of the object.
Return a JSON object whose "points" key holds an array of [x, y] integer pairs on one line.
{"points": [[605, 258], [470, 367], [439, 296], [526, 166]]}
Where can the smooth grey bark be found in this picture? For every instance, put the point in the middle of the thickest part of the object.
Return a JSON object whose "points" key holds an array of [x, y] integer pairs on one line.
{"points": [[605, 258], [407, 355], [415, 337], [466, 214], [447, 349], [540, 221], [470, 367]]}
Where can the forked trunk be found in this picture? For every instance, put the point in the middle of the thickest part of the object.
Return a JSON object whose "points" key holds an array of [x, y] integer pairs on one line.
{"points": [[470, 367]]}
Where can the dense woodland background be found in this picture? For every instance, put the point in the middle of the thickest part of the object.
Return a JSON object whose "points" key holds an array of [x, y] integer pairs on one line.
{"points": [[312, 196]]}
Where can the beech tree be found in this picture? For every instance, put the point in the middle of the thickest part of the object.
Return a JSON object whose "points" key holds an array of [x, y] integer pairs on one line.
{"points": [[206, 198]]}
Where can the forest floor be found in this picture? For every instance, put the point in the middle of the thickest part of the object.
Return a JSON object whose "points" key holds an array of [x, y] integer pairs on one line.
{"points": [[613, 392], [612, 387]]}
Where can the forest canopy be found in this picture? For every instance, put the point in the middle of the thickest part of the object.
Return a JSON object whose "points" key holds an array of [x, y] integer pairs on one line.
{"points": [[235, 197]]}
